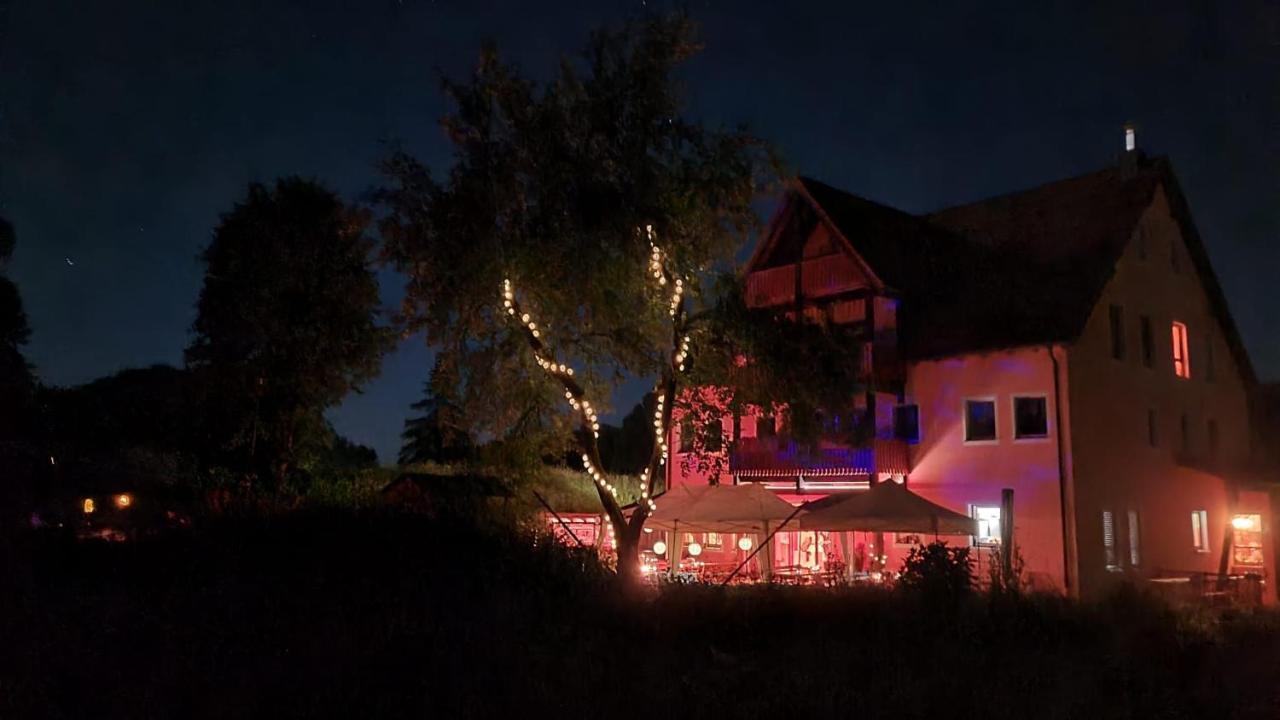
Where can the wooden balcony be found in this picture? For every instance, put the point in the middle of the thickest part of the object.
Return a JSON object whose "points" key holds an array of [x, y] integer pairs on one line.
{"points": [[819, 277], [781, 457], [775, 286]]}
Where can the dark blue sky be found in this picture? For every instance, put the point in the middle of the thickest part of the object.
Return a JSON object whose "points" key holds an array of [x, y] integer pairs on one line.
{"points": [[127, 127]]}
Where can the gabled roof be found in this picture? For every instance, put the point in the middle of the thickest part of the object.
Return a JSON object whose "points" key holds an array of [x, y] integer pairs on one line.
{"points": [[960, 295], [891, 242], [775, 248], [1015, 270]]}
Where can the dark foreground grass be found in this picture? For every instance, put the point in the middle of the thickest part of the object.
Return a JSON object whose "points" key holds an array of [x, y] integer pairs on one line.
{"points": [[341, 615]]}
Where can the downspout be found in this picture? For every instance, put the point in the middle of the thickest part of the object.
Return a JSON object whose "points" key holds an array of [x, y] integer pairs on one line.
{"points": [[1068, 572]]}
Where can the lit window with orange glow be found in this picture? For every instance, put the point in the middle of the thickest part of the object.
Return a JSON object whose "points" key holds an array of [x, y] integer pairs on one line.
{"points": [[1181, 358], [87, 505], [124, 500], [1246, 543]]}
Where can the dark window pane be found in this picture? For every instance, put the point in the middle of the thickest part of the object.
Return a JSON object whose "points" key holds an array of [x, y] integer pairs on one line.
{"points": [[906, 423], [1213, 440], [1148, 345], [714, 436], [1117, 332], [1031, 417], [765, 427], [979, 420], [686, 435], [1153, 436]]}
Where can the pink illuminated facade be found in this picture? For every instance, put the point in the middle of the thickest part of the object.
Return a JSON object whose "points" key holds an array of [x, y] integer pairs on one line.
{"points": [[1070, 343]]}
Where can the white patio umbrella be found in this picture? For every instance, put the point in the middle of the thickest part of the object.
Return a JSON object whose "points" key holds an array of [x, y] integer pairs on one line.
{"points": [[719, 508], [886, 507], [739, 509]]}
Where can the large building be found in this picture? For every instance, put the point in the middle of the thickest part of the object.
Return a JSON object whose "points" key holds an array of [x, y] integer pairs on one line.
{"points": [[1070, 342]]}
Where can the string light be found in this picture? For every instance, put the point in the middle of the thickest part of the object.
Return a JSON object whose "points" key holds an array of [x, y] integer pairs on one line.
{"points": [[583, 406]]}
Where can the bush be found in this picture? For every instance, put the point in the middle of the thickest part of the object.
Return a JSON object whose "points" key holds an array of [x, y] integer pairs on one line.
{"points": [[938, 571], [1011, 580], [337, 613]]}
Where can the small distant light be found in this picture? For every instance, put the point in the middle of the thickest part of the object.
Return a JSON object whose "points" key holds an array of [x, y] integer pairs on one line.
{"points": [[1130, 139], [744, 543], [124, 500], [695, 549], [659, 548], [87, 505]]}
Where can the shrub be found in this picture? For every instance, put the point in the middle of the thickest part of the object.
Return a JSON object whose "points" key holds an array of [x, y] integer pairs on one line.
{"points": [[938, 571], [1010, 580]]}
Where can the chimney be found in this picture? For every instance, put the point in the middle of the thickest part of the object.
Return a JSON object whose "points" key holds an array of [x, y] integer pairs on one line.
{"points": [[1132, 157]]}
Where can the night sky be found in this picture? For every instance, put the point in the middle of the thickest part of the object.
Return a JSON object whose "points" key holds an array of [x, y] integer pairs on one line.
{"points": [[126, 127]]}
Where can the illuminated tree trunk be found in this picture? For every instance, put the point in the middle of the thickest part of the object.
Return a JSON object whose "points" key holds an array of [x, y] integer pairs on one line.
{"points": [[628, 549], [627, 531]]}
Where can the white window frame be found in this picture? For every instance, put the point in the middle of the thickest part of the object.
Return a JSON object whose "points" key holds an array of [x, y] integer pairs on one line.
{"points": [[964, 418], [1048, 418], [1200, 531], [977, 540], [1110, 551], [1133, 528]]}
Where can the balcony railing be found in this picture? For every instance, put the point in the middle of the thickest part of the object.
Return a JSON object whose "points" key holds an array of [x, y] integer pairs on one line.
{"points": [[775, 286], [819, 277], [783, 457], [829, 275]]}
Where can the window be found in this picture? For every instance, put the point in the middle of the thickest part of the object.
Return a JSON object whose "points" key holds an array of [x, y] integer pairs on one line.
{"points": [[979, 420], [715, 436], [1181, 360], [1213, 440], [1135, 539], [686, 435], [907, 539], [1246, 542], [1153, 429], [906, 423], [1186, 435], [831, 423], [1030, 417], [1200, 530], [1109, 541], [766, 427], [1141, 241], [714, 541], [1148, 346], [1117, 332], [988, 526]]}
